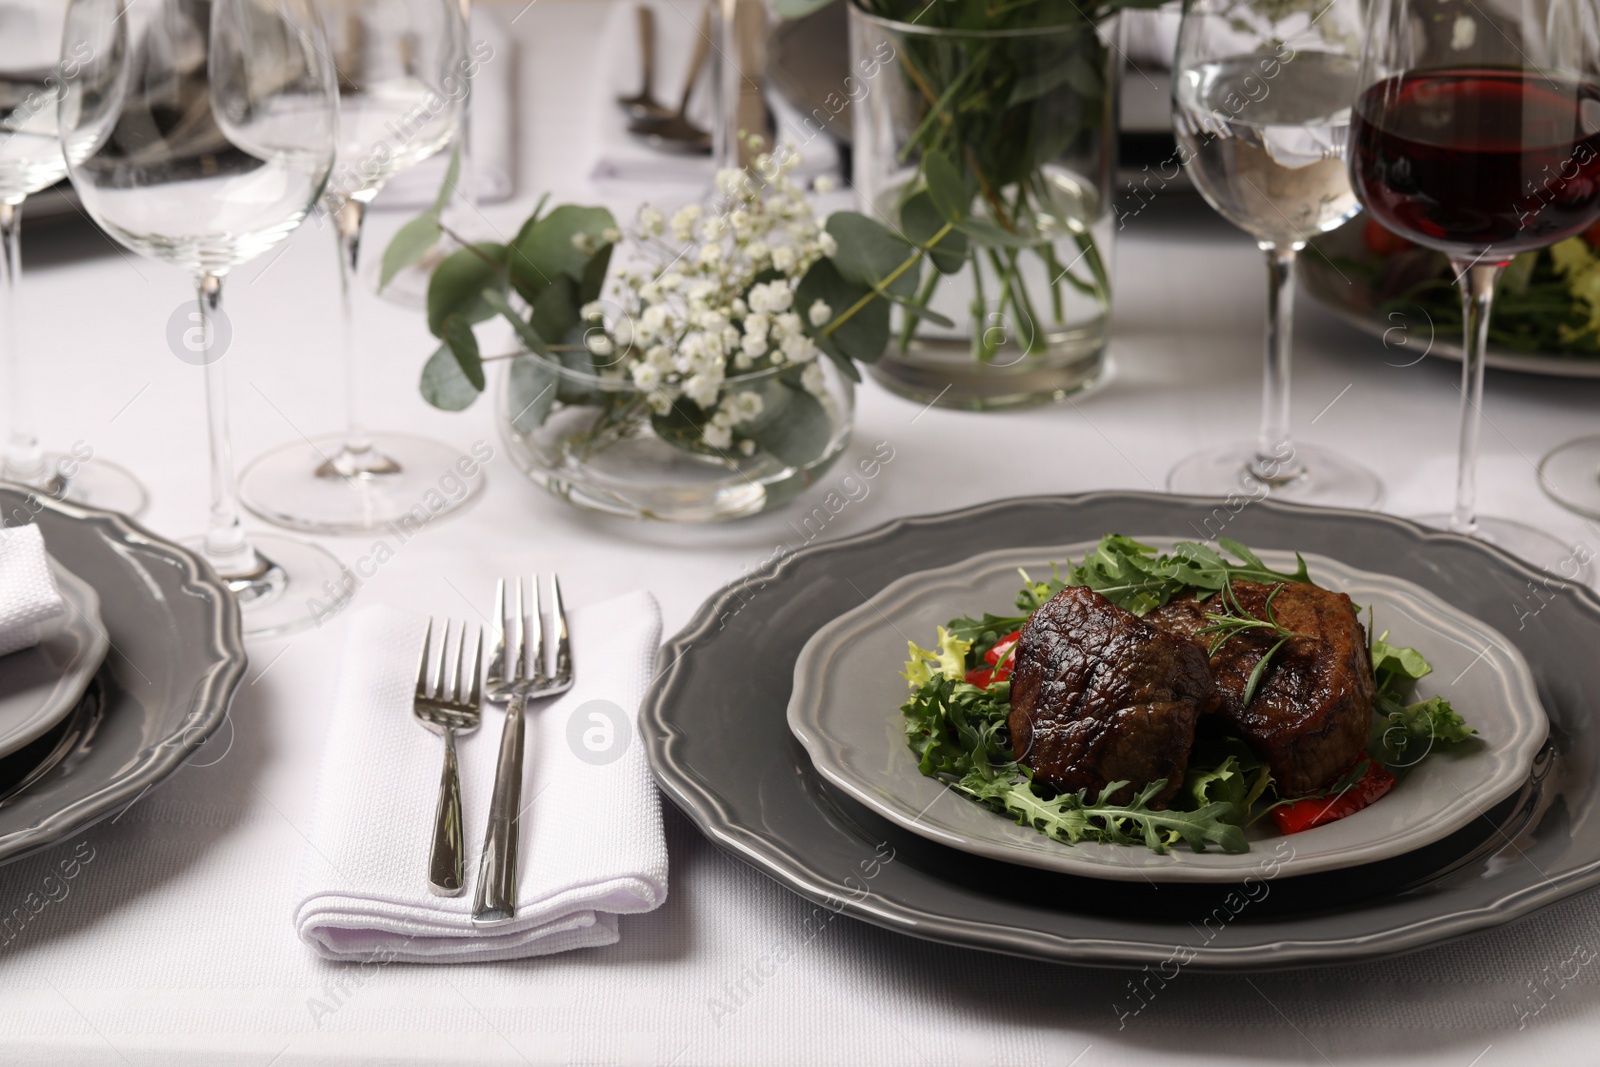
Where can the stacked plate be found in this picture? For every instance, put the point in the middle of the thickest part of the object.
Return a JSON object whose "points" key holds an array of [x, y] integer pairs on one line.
{"points": [[122, 687], [775, 726]]}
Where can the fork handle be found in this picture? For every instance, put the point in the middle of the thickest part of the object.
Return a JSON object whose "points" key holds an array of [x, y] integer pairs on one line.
{"points": [[496, 900], [445, 875]]}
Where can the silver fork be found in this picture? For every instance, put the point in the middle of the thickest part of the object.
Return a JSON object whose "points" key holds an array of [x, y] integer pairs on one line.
{"points": [[450, 705], [511, 678]]}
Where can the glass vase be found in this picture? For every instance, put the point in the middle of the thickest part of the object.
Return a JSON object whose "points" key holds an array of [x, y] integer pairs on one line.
{"points": [[598, 440], [1028, 117]]}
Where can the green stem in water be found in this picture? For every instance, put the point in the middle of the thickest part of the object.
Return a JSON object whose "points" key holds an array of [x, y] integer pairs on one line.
{"points": [[924, 294]]}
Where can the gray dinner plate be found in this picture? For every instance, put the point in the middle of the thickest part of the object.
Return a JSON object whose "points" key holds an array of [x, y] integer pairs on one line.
{"points": [[176, 659], [715, 726], [41, 685]]}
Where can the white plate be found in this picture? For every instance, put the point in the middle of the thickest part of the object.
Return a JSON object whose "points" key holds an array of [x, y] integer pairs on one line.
{"points": [[848, 691], [40, 685]]}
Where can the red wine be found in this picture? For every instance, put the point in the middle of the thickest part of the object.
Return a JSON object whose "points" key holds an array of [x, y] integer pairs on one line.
{"points": [[1479, 162]]}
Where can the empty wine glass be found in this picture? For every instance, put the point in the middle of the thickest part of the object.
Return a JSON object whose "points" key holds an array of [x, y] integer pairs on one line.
{"points": [[402, 87], [31, 67], [1477, 133], [1261, 94], [200, 133]]}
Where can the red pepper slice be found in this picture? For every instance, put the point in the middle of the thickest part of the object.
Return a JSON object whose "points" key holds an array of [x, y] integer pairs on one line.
{"points": [[1006, 646], [997, 671], [1318, 811]]}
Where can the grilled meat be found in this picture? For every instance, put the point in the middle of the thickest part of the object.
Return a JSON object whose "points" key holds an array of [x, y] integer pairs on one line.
{"points": [[1311, 710], [1100, 695]]}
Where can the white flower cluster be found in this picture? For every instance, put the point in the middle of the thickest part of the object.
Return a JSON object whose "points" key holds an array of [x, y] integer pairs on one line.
{"points": [[693, 314]]}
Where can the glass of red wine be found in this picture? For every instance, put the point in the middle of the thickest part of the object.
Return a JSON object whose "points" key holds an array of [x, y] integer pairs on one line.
{"points": [[1476, 131]]}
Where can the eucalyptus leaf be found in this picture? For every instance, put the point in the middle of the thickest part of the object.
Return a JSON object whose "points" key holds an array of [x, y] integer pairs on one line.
{"points": [[530, 391], [458, 283], [869, 254], [864, 335], [545, 248], [526, 333], [921, 222], [798, 9], [593, 277], [443, 385], [463, 344], [409, 245], [946, 187], [555, 313], [801, 436], [447, 188]]}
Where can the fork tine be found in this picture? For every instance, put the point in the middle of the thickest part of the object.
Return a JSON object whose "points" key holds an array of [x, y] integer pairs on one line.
{"points": [[441, 675], [497, 658], [475, 683], [563, 644], [458, 681], [422, 664], [519, 668], [536, 638]]}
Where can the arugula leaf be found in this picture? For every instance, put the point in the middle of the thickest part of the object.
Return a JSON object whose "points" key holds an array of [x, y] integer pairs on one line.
{"points": [[1132, 575], [1399, 731], [959, 735], [1399, 728]]}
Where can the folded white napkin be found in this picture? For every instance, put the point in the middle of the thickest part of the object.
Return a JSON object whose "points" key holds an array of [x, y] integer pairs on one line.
{"points": [[592, 846], [28, 594], [622, 157], [492, 129]]}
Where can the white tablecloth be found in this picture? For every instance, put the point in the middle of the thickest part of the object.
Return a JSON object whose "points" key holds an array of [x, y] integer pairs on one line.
{"points": [[174, 945]]}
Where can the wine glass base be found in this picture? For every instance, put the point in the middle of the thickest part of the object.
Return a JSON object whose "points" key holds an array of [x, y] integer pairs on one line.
{"points": [[1324, 477], [302, 585], [93, 482], [1570, 475], [421, 482], [1561, 559]]}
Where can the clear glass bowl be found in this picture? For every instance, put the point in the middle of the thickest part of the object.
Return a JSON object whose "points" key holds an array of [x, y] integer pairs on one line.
{"points": [[595, 441]]}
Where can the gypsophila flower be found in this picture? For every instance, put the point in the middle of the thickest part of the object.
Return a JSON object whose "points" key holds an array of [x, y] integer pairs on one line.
{"points": [[703, 296], [823, 185], [826, 243]]}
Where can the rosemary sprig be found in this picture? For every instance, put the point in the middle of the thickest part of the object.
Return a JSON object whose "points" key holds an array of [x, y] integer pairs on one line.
{"points": [[1235, 620]]}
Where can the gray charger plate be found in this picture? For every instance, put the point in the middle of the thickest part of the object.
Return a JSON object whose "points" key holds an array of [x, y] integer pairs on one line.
{"points": [[715, 726], [847, 687], [176, 658]]}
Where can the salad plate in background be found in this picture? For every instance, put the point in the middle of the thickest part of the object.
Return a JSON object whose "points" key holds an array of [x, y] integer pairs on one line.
{"points": [[848, 689], [1384, 285]]}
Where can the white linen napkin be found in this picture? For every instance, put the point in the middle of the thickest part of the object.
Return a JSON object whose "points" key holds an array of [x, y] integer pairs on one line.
{"points": [[622, 157], [592, 845], [492, 129], [28, 594]]}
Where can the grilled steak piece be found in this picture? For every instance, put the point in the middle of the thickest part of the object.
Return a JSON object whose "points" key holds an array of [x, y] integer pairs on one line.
{"points": [[1313, 705], [1099, 695]]}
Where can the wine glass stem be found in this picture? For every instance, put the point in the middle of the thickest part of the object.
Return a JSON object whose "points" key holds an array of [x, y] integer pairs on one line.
{"points": [[1274, 461], [225, 546], [24, 459], [348, 223], [1476, 281]]}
